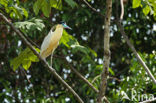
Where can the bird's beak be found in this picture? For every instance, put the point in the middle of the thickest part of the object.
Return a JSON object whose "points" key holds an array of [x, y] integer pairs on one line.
{"points": [[67, 27]]}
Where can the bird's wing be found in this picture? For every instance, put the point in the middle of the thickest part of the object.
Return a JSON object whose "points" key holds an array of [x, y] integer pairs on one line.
{"points": [[46, 41]]}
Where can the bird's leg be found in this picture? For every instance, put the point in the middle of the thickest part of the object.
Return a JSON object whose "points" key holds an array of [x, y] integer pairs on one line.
{"points": [[51, 61]]}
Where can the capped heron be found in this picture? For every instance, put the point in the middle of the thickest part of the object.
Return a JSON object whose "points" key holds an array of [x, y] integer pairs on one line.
{"points": [[51, 41]]}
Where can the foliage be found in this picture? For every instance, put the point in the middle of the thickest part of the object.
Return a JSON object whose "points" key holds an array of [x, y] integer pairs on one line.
{"points": [[23, 78], [14, 9], [149, 6], [25, 58], [31, 24], [45, 5], [138, 83]]}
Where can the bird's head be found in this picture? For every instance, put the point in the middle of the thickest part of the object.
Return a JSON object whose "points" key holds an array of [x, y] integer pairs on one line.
{"points": [[65, 25]]}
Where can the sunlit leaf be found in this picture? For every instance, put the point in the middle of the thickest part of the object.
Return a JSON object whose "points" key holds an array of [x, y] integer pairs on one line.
{"points": [[136, 3], [67, 39], [146, 10], [25, 13], [111, 71], [26, 64], [57, 4], [24, 58]]}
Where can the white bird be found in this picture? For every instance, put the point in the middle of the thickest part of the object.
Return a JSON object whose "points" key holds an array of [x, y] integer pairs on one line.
{"points": [[51, 41]]}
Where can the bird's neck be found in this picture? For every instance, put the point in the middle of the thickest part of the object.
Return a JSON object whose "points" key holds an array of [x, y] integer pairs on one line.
{"points": [[59, 28]]}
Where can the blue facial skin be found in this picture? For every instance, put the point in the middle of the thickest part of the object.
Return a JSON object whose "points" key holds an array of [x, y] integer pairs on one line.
{"points": [[66, 26]]}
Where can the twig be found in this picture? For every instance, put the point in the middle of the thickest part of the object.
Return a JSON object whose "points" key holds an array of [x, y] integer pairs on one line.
{"points": [[43, 61], [122, 9], [93, 9], [29, 39], [33, 92], [80, 76], [98, 76], [132, 47], [115, 79], [135, 52], [148, 101], [106, 62]]}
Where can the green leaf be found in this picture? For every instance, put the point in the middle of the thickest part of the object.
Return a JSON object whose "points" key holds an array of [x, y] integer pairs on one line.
{"points": [[79, 48], [37, 6], [46, 8], [146, 10], [4, 2], [136, 3], [57, 4], [111, 71], [25, 13], [15, 63], [26, 64], [71, 3], [67, 39], [25, 58], [93, 52], [31, 24]]}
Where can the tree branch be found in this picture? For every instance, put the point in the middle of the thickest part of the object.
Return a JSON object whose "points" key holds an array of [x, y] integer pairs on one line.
{"points": [[131, 45], [43, 61], [135, 52], [122, 9], [93, 9], [148, 101], [106, 62], [80, 76]]}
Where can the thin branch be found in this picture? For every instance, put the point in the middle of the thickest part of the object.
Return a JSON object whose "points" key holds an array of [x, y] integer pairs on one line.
{"points": [[52, 70], [25, 74], [115, 79], [98, 76], [93, 9], [106, 62], [132, 46], [122, 9], [80, 76], [148, 101], [33, 43], [135, 52]]}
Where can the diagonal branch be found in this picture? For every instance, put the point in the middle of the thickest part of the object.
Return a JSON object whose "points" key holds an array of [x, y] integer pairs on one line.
{"points": [[131, 45], [84, 79], [93, 9], [135, 52], [107, 54], [80, 76], [149, 101], [52, 70]]}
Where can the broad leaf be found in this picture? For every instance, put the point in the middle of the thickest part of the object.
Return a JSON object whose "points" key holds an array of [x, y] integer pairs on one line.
{"points": [[136, 3], [146, 10], [37, 6], [46, 8], [57, 4], [25, 58]]}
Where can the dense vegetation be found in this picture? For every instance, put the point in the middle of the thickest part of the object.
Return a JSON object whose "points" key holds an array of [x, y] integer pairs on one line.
{"points": [[23, 78]]}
